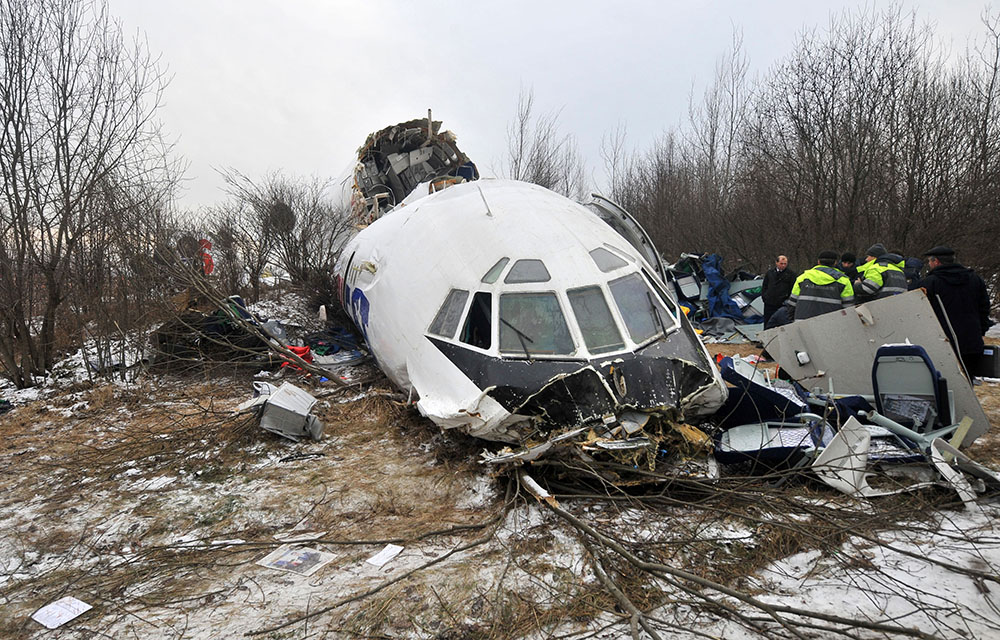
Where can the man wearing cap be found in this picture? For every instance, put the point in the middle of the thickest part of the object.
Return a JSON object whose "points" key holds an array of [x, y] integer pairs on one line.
{"points": [[821, 289], [848, 263], [961, 294], [777, 286], [880, 276]]}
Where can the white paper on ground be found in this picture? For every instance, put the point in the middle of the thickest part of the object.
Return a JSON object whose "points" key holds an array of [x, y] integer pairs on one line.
{"points": [[385, 555], [58, 613]]}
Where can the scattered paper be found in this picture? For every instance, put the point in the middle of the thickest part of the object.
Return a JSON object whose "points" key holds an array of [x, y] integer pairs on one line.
{"points": [[58, 613], [301, 560], [385, 555]]}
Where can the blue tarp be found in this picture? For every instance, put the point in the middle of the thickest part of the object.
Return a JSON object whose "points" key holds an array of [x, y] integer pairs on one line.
{"points": [[719, 302]]}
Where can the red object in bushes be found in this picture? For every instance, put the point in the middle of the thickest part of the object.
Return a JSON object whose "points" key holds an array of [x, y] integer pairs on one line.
{"points": [[302, 352]]}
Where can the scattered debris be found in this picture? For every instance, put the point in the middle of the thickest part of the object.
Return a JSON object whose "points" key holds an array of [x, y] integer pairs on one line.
{"points": [[215, 334], [774, 443], [840, 348], [712, 297], [286, 411], [395, 160]]}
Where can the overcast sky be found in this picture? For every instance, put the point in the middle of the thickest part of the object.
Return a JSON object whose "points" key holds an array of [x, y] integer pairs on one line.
{"points": [[297, 85]]}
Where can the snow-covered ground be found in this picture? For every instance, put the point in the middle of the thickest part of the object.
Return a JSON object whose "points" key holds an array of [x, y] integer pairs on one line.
{"points": [[152, 501]]}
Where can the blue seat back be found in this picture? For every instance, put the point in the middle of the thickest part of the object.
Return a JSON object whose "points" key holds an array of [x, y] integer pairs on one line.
{"points": [[909, 389]]}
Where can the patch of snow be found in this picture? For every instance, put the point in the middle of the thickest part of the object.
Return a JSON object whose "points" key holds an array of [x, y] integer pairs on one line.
{"points": [[480, 493], [289, 310], [902, 584], [994, 331], [153, 484]]}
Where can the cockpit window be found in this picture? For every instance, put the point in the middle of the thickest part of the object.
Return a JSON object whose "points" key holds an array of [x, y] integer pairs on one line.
{"points": [[607, 261], [495, 271], [642, 311], [447, 318], [527, 271], [533, 324], [479, 323], [600, 333]]}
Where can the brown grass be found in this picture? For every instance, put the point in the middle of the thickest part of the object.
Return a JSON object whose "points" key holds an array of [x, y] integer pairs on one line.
{"points": [[381, 472]]}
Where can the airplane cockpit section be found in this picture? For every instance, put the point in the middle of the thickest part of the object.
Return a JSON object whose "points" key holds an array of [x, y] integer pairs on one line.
{"points": [[517, 315]]}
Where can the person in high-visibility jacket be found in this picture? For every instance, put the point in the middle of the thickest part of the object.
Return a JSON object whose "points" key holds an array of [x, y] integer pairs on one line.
{"points": [[821, 289], [880, 276]]}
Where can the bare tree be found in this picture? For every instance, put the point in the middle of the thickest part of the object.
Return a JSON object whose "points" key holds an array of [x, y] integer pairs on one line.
{"points": [[77, 103], [980, 201], [717, 122], [538, 152], [613, 153], [297, 225]]}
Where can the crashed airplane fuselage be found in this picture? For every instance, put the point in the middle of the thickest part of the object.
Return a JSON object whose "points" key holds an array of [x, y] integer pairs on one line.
{"points": [[518, 315]]}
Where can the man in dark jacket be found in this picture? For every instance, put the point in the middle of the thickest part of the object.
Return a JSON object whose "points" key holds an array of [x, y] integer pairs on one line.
{"points": [[966, 305], [912, 268], [778, 282], [848, 264]]}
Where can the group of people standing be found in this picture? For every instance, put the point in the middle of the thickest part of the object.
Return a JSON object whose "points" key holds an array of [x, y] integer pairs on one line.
{"points": [[957, 293]]}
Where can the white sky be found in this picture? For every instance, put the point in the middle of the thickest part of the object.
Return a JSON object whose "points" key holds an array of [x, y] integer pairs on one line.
{"points": [[262, 85]]}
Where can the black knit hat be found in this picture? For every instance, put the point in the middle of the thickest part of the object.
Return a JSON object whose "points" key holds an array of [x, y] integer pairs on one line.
{"points": [[828, 255], [876, 250]]}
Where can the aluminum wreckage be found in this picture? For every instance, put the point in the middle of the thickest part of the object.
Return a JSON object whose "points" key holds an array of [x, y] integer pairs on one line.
{"points": [[512, 313]]}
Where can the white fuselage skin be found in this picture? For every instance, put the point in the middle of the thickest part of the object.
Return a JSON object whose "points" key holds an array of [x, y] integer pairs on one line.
{"points": [[398, 271]]}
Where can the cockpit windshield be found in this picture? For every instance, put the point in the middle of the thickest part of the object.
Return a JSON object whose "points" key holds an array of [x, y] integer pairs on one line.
{"points": [[643, 313], [533, 324], [600, 333], [538, 323]]}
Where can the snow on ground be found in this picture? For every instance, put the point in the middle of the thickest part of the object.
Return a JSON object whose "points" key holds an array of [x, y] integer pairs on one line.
{"points": [[153, 502], [909, 567], [290, 310], [167, 546]]}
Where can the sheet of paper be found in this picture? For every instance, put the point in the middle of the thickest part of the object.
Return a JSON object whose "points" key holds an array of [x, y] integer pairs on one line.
{"points": [[385, 555], [58, 613]]}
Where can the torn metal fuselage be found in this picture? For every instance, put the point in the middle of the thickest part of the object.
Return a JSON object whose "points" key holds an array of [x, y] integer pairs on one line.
{"points": [[518, 316]]}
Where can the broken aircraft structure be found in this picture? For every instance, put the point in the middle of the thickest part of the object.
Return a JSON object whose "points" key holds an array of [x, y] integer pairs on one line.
{"points": [[872, 389], [513, 313], [516, 315]]}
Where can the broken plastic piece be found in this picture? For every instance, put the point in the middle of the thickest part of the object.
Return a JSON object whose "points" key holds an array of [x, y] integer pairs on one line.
{"points": [[261, 392], [286, 413], [536, 489], [844, 462]]}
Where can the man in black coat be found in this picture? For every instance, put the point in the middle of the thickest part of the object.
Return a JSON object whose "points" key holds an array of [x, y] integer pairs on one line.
{"points": [[778, 282], [848, 264], [963, 295]]}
